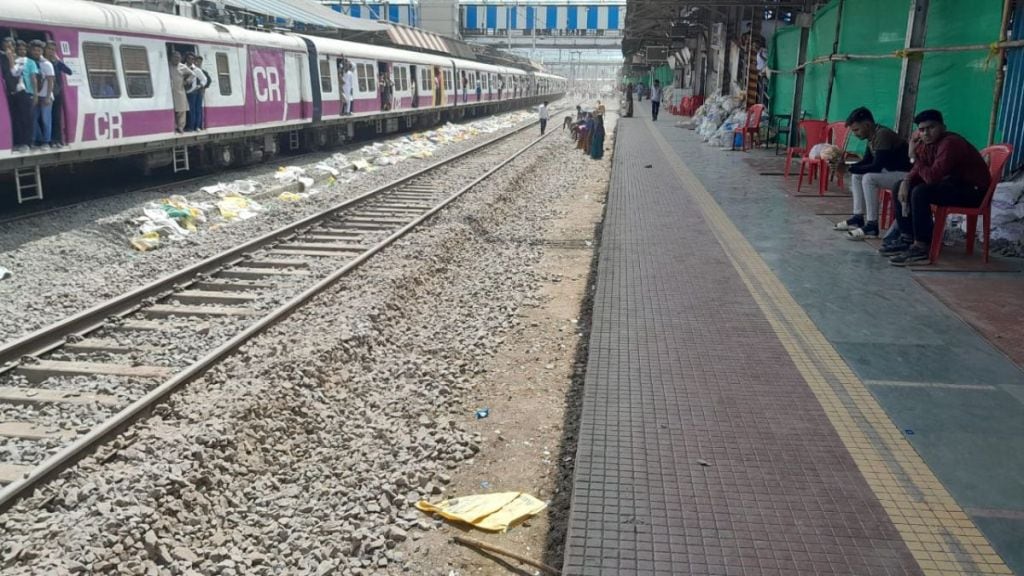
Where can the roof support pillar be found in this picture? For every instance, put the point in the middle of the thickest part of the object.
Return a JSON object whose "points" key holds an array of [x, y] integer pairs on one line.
{"points": [[835, 50], [910, 72], [803, 20]]}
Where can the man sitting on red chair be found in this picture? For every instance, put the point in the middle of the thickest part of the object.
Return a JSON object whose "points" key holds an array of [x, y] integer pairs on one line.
{"points": [[885, 163], [948, 171]]}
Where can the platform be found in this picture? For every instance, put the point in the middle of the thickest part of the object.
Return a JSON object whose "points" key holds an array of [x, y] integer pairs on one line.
{"points": [[764, 397]]}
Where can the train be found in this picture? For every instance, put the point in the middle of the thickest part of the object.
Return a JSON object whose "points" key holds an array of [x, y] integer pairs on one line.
{"points": [[269, 90]]}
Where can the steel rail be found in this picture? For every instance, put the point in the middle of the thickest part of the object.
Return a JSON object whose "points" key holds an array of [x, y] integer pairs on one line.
{"points": [[85, 444]]}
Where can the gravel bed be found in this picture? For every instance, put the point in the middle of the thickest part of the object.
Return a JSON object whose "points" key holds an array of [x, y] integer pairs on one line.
{"points": [[303, 452], [70, 259]]}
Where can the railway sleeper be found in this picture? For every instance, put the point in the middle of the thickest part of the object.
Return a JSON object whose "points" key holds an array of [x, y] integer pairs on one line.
{"points": [[38, 396], [43, 369], [165, 310]]}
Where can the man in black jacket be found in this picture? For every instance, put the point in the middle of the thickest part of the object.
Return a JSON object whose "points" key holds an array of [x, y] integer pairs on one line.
{"points": [[885, 163]]}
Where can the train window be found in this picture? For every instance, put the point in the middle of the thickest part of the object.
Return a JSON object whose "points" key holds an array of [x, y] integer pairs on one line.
{"points": [[137, 80], [424, 79], [400, 83], [101, 70], [325, 76], [367, 81], [223, 74], [447, 80]]}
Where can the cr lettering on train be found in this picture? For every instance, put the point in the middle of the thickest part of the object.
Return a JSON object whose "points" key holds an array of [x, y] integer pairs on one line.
{"points": [[108, 126], [267, 84]]}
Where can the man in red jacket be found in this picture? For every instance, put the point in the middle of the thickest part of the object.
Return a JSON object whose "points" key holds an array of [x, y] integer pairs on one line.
{"points": [[948, 171]]}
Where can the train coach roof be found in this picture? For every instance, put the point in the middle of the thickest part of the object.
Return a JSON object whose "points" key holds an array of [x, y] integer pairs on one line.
{"points": [[372, 52], [92, 16], [470, 65]]}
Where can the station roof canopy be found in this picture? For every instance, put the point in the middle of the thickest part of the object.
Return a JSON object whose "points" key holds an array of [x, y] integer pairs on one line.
{"points": [[306, 12], [662, 22]]}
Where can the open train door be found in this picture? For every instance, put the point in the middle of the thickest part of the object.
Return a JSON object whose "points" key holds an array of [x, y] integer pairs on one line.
{"points": [[267, 97]]}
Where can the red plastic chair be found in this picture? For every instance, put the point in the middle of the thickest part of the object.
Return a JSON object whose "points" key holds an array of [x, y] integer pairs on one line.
{"points": [[838, 135], [885, 217], [997, 156], [805, 127], [751, 127], [812, 133]]}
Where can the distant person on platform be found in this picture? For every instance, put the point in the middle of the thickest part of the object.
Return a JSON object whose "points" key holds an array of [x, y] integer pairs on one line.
{"points": [[885, 164], [655, 100], [948, 171], [600, 109], [542, 111], [629, 100]]}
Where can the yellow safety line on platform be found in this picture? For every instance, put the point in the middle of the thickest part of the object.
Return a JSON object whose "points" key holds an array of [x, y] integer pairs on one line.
{"points": [[942, 538]]}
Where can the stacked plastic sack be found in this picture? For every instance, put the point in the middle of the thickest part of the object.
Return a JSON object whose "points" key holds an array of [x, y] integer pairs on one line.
{"points": [[716, 119]]}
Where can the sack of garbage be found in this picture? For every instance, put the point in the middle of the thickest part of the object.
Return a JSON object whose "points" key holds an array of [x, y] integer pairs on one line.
{"points": [[289, 174]]}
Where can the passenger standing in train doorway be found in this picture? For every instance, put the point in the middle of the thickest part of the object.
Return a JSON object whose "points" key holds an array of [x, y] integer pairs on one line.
{"points": [[204, 83], [479, 87], [23, 102], [180, 74], [465, 85], [193, 92], [542, 112], [350, 83], [43, 114], [61, 69], [18, 99], [438, 87]]}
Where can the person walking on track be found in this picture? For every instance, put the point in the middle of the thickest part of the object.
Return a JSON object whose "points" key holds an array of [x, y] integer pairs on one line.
{"points": [[542, 111]]}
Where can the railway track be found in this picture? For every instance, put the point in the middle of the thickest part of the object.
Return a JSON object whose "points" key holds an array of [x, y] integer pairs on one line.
{"points": [[77, 383]]}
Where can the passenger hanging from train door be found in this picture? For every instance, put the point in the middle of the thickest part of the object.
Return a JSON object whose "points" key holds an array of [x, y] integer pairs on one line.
{"points": [[479, 87], [349, 87], [438, 87], [415, 86], [501, 85], [385, 90], [464, 85], [42, 117], [12, 84], [21, 110], [180, 75], [193, 90], [204, 82], [61, 69], [340, 65]]}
